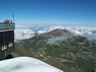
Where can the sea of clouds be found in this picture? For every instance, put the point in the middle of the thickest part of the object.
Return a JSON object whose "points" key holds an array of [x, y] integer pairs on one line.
{"points": [[28, 31]]}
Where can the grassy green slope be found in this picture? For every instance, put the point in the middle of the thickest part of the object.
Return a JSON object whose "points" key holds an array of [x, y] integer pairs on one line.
{"points": [[78, 54]]}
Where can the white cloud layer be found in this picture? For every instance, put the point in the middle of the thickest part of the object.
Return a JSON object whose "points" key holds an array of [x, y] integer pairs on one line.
{"points": [[21, 34], [25, 32]]}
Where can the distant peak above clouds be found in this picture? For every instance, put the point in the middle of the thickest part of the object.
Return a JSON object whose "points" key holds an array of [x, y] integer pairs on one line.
{"points": [[25, 32], [58, 32]]}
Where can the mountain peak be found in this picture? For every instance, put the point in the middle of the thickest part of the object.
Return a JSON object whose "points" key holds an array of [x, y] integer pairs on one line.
{"points": [[58, 32]]}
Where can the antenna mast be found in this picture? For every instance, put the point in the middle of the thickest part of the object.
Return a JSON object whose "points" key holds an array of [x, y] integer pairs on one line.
{"points": [[13, 17]]}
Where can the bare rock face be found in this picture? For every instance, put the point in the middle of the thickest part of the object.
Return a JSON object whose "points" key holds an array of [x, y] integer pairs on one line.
{"points": [[58, 32]]}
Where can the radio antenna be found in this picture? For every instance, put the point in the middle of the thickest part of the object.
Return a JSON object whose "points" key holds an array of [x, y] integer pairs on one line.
{"points": [[13, 17]]}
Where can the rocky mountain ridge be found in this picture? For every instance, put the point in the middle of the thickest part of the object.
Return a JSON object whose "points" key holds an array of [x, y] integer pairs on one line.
{"points": [[73, 51]]}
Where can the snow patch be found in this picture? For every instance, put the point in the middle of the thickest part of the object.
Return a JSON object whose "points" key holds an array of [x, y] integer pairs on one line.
{"points": [[26, 64]]}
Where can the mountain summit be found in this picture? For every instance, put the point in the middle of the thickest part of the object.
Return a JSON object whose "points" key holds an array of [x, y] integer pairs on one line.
{"points": [[58, 32]]}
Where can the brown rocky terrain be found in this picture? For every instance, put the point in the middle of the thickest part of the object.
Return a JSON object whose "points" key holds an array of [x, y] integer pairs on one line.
{"points": [[58, 32], [19, 52]]}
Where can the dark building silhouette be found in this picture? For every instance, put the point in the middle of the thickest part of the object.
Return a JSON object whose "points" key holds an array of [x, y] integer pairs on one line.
{"points": [[6, 38]]}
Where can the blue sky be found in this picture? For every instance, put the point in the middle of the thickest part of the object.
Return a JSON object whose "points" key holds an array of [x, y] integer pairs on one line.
{"points": [[49, 11]]}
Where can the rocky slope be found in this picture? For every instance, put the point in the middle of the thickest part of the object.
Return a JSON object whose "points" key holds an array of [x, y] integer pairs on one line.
{"points": [[75, 53]]}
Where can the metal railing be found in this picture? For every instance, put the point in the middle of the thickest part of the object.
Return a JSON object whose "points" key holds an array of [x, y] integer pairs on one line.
{"points": [[7, 27]]}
